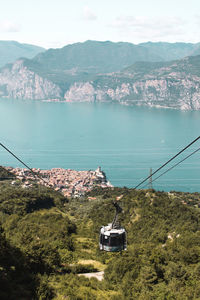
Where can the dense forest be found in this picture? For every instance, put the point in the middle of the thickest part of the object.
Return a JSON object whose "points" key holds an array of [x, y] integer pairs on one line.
{"points": [[47, 241]]}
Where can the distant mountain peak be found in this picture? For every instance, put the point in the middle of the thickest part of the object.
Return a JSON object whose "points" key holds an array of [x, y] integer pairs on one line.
{"points": [[10, 51], [146, 74]]}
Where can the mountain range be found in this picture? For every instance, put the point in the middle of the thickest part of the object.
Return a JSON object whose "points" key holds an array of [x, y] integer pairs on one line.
{"points": [[10, 51], [153, 74]]}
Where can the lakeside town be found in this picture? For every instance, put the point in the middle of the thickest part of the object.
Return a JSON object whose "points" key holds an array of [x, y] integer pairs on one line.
{"points": [[70, 183]]}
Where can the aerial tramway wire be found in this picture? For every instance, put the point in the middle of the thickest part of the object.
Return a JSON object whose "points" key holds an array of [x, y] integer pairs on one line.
{"points": [[34, 173], [150, 176], [174, 166], [167, 162]]}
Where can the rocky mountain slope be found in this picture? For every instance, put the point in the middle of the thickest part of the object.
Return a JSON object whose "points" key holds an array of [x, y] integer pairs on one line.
{"points": [[18, 82], [90, 72], [171, 85]]}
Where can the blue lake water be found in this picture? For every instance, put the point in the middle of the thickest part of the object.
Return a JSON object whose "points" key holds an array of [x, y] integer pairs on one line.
{"points": [[125, 141]]}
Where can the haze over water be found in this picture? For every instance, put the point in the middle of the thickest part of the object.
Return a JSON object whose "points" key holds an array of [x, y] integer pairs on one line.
{"points": [[125, 141]]}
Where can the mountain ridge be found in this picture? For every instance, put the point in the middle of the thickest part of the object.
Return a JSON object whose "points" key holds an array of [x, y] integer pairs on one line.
{"points": [[10, 51], [102, 71]]}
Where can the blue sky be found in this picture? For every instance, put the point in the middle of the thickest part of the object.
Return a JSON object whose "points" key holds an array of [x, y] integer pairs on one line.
{"points": [[55, 23]]}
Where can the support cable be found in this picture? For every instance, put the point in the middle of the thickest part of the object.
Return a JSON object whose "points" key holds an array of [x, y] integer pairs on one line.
{"points": [[34, 173], [167, 162], [174, 166]]}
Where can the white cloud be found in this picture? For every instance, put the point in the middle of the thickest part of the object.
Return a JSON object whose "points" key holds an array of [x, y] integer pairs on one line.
{"points": [[154, 29], [8, 26], [88, 14]]}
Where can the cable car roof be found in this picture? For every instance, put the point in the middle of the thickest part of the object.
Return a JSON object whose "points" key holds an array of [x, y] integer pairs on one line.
{"points": [[108, 230]]}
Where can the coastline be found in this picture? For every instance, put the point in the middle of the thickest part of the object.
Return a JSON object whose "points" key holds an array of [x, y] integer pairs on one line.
{"points": [[70, 183]]}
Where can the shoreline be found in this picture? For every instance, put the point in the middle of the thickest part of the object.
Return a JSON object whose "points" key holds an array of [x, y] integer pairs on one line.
{"points": [[70, 183]]}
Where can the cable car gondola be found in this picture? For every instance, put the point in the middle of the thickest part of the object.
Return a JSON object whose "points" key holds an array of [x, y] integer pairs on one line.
{"points": [[113, 236]]}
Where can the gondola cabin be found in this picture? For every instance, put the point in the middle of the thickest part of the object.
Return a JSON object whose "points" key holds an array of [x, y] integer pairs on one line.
{"points": [[112, 239]]}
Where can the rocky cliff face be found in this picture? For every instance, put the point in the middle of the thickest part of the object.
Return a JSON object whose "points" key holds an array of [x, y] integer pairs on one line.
{"points": [[17, 82], [173, 91], [80, 92], [170, 86]]}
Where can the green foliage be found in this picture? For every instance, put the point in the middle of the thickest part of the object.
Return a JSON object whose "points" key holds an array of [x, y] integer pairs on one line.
{"points": [[49, 241], [163, 244], [37, 230], [5, 174], [40, 235], [44, 291], [73, 287], [16, 281], [17, 200], [80, 268]]}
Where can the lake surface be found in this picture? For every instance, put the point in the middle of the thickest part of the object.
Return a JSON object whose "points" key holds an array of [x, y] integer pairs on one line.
{"points": [[125, 141]]}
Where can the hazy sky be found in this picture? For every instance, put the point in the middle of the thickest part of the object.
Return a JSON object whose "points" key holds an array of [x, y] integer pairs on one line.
{"points": [[55, 23]]}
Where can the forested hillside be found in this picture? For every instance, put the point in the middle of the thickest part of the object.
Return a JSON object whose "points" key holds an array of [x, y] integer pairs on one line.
{"points": [[46, 240]]}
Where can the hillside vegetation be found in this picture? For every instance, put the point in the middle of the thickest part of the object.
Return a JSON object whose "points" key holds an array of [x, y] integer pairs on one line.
{"points": [[46, 240]]}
